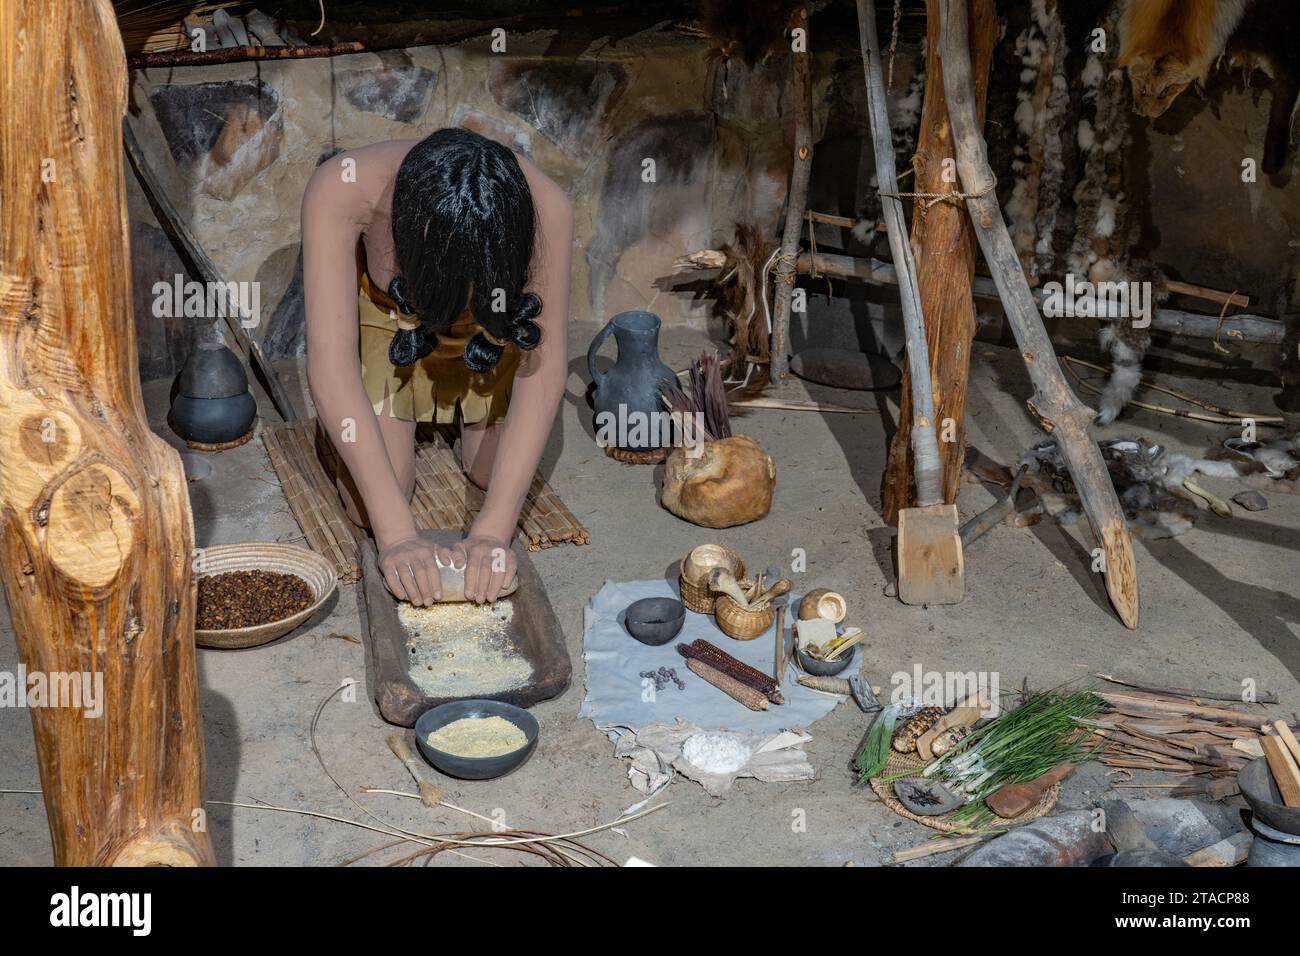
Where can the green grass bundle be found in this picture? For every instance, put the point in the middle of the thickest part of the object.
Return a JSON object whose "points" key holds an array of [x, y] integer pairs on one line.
{"points": [[872, 756], [1017, 747]]}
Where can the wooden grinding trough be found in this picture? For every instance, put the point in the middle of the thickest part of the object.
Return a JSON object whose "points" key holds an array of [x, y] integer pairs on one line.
{"points": [[533, 632]]}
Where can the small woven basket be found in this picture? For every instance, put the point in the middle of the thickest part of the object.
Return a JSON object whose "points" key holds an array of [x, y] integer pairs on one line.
{"points": [[741, 623], [314, 570], [914, 764], [696, 593]]}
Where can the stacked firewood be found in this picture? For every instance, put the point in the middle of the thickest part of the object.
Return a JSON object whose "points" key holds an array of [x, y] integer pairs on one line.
{"points": [[1178, 730]]}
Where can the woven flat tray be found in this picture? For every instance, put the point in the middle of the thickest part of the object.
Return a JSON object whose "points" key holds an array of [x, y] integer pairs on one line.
{"points": [[912, 764]]}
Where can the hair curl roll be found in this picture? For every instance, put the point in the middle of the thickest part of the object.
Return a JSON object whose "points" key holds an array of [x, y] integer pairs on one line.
{"points": [[482, 352], [408, 345]]}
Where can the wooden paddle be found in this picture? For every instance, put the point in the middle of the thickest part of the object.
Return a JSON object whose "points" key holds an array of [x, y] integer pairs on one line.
{"points": [[1016, 798]]}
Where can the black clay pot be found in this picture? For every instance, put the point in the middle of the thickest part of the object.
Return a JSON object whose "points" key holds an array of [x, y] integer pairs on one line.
{"points": [[210, 398], [212, 371]]}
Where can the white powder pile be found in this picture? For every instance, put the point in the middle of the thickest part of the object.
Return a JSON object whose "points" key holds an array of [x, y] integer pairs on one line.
{"points": [[715, 753]]}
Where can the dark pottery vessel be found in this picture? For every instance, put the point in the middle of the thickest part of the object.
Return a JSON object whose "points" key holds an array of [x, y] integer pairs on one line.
{"points": [[475, 768], [211, 402], [818, 668], [654, 620], [630, 390]]}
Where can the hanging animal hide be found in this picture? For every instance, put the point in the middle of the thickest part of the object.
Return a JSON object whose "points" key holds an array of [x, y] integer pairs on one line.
{"points": [[743, 301], [1167, 45], [1043, 102]]}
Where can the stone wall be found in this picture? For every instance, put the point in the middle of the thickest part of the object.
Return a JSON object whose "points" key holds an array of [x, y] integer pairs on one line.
{"points": [[235, 144]]}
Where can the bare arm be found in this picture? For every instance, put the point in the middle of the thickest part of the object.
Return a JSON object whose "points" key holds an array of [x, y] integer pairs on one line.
{"points": [[333, 211], [538, 387]]}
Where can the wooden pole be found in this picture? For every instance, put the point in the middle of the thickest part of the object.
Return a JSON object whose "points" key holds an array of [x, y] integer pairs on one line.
{"points": [[943, 245], [95, 527], [1243, 327], [1054, 402], [201, 267], [796, 202]]}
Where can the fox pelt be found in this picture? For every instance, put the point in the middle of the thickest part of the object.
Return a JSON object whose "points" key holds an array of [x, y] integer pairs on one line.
{"points": [[1167, 45]]}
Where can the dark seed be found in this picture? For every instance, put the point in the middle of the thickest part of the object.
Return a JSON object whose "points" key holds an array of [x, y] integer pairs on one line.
{"points": [[249, 598]]}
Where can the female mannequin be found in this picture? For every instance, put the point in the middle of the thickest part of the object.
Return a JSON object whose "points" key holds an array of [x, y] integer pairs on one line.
{"points": [[471, 244]]}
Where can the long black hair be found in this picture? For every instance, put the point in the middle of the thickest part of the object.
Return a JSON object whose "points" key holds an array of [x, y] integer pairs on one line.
{"points": [[463, 230]]}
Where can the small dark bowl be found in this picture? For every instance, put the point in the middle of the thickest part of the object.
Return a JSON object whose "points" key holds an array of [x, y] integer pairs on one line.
{"points": [[475, 768], [818, 668], [655, 620], [1261, 792]]}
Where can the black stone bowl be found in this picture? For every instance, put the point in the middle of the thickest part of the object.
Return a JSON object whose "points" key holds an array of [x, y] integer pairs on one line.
{"points": [[475, 768], [655, 620], [818, 668], [1261, 792]]}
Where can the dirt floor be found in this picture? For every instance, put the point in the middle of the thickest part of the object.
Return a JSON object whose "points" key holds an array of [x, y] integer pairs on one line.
{"points": [[1220, 605]]}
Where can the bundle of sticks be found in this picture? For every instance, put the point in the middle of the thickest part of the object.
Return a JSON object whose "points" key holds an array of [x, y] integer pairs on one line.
{"points": [[733, 677], [707, 398], [1175, 730]]}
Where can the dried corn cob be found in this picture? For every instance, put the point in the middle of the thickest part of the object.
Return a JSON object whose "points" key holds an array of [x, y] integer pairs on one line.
{"points": [[948, 739], [827, 685], [738, 670], [713, 655], [912, 729], [733, 688]]}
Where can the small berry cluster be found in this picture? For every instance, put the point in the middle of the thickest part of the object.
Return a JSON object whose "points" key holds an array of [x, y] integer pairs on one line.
{"points": [[662, 677]]}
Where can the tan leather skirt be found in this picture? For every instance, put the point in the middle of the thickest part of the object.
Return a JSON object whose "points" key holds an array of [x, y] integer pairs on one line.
{"points": [[434, 388]]}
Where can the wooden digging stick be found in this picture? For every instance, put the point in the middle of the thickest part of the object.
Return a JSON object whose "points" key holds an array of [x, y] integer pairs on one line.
{"points": [[203, 268], [795, 203], [1054, 403], [96, 537]]}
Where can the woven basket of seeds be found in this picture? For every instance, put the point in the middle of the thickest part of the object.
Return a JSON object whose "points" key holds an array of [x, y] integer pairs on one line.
{"points": [[267, 556], [912, 764]]}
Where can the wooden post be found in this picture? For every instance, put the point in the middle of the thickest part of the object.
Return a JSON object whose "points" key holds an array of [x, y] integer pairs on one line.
{"points": [[95, 527], [796, 202], [1054, 403], [943, 245]]}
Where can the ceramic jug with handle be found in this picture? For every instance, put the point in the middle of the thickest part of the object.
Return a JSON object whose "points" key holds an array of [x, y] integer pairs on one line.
{"points": [[630, 389]]}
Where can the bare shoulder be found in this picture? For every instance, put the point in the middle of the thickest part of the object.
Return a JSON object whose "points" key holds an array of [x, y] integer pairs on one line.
{"points": [[548, 197], [352, 181]]}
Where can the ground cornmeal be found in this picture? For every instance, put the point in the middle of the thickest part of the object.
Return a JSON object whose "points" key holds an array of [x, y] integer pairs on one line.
{"points": [[462, 650], [478, 737]]}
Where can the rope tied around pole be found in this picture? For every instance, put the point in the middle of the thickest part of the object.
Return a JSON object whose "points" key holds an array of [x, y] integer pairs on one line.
{"points": [[956, 195], [787, 267]]}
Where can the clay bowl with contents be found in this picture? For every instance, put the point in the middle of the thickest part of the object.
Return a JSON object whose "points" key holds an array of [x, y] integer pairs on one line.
{"points": [[813, 666], [475, 768], [251, 594]]}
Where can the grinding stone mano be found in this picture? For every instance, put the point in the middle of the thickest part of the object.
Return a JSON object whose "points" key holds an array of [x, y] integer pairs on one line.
{"points": [[453, 584]]}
